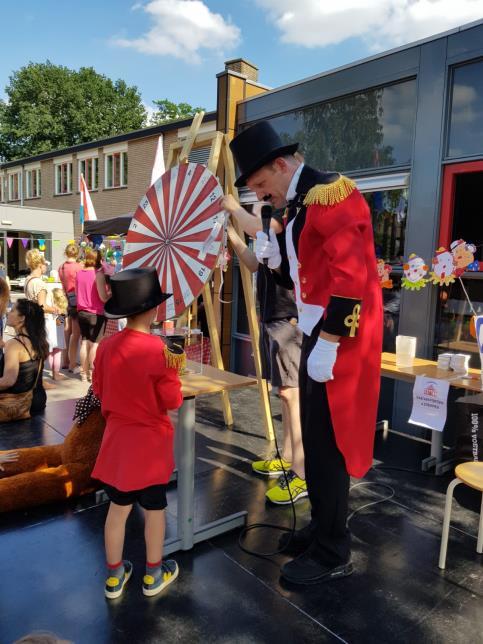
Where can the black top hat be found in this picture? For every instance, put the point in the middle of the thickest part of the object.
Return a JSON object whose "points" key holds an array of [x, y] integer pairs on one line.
{"points": [[255, 147], [134, 291]]}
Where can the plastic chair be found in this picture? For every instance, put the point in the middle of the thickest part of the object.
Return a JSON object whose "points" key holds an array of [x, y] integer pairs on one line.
{"points": [[470, 474]]}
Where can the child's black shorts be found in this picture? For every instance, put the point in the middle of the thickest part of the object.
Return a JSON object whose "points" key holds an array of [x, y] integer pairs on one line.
{"points": [[149, 498]]}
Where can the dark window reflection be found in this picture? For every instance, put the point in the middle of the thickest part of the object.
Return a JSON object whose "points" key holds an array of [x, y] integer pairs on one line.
{"points": [[466, 121], [371, 129], [389, 214], [389, 209], [391, 299]]}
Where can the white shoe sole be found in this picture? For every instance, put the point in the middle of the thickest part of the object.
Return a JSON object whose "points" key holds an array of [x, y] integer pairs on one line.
{"points": [[117, 593], [302, 495], [150, 592]]}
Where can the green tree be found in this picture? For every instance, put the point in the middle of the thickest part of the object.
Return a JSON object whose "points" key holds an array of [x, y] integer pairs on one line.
{"points": [[50, 107], [168, 111]]}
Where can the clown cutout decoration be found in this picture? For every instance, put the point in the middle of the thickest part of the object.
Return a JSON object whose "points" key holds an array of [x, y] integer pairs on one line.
{"points": [[443, 268], [414, 273], [463, 257], [384, 271]]}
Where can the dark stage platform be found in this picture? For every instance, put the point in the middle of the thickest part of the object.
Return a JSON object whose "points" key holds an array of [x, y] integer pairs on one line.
{"points": [[52, 558]]}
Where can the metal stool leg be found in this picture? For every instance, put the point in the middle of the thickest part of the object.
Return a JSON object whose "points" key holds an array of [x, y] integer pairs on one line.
{"points": [[479, 545], [446, 522]]}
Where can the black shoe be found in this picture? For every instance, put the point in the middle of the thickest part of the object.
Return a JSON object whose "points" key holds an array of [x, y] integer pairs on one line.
{"points": [[297, 542], [306, 570]]}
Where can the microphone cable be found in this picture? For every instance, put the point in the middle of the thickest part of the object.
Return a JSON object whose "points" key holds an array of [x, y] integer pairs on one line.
{"points": [[261, 525]]}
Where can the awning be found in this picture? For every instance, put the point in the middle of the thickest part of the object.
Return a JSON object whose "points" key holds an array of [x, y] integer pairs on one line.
{"points": [[114, 226]]}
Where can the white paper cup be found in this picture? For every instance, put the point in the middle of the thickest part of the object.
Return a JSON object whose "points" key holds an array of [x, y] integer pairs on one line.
{"points": [[405, 350]]}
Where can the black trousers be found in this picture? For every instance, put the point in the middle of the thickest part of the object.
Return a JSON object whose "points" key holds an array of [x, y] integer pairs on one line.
{"points": [[325, 470]]}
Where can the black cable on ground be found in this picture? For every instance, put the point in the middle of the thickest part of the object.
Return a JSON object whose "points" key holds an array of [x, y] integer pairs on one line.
{"points": [[271, 526]]}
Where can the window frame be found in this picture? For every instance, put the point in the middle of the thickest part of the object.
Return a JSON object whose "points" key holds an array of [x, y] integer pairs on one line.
{"points": [[450, 173], [28, 182], [110, 154], [58, 168], [10, 177], [95, 174]]}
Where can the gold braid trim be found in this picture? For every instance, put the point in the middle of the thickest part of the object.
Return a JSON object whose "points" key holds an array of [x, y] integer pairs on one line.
{"points": [[175, 360], [329, 194]]}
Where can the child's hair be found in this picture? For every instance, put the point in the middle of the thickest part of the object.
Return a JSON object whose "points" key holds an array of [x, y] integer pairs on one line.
{"points": [[72, 250], [34, 258], [92, 258], [60, 300]]}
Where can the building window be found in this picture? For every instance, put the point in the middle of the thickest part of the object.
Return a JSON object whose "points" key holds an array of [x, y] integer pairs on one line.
{"points": [[389, 209], [63, 178], [14, 186], [32, 183], [372, 129], [90, 169], [116, 170], [466, 122], [3, 188]]}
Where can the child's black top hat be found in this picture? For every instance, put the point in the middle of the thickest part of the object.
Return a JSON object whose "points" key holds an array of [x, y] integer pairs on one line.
{"points": [[134, 291], [255, 147]]}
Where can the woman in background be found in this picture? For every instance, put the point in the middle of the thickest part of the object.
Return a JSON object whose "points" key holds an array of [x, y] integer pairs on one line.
{"points": [[91, 292], [25, 353], [67, 273], [37, 291]]}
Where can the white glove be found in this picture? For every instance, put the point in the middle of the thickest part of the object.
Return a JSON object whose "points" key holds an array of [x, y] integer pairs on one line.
{"points": [[266, 248], [321, 360]]}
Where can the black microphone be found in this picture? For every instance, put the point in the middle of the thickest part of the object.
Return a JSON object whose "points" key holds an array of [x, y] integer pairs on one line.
{"points": [[266, 217]]}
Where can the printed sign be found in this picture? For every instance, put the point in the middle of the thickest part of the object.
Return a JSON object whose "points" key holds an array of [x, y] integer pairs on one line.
{"points": [[430, 403]]}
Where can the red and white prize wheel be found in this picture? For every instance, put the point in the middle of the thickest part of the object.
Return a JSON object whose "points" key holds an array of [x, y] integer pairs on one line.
{"points": [[178, 228]]}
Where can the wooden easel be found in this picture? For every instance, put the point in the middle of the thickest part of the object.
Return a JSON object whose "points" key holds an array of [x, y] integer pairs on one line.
{"points": [[220, 163]]}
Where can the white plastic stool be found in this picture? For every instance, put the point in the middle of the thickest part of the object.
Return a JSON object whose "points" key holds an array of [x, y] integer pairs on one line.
{"points": [[470, 474]]}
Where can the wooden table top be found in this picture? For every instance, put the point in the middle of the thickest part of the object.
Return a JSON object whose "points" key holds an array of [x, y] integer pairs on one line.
{"points": [[211, 381], [422, 367]]}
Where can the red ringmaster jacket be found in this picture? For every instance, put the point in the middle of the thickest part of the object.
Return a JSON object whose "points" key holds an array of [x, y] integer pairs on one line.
{"points": [[336, 279]]}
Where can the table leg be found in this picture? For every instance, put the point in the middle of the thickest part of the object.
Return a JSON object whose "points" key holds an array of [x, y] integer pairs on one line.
{"points": [[186, 471], [185, 464]]}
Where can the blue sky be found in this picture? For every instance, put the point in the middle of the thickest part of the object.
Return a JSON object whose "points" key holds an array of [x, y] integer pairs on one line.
{"points": [[174, 48]]}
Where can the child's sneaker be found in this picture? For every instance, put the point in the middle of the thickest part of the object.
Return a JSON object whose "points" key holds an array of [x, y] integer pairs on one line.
{"points": [[281, 494], [115, 585], [154, 585], [271, 467]]}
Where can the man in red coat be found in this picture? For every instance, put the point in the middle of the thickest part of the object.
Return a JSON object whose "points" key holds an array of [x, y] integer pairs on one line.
{"points": [[329, 259]]}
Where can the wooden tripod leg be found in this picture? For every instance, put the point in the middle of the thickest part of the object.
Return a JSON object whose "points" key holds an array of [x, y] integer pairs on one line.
{"points": [[246, 277], [216, 359]]}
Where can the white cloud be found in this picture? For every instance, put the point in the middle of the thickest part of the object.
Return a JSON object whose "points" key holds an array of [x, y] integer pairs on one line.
{"points": [[381, 23], [182, 28]]}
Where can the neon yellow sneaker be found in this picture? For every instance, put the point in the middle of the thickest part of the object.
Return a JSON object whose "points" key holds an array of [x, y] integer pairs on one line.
{"points": [[271, 467], [281, 494]]}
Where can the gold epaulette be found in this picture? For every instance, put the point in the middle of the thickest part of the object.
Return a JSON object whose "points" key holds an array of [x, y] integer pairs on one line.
{"points": [[175, 360], [329, 194]]}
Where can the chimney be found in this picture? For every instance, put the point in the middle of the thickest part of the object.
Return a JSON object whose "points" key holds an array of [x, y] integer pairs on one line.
{"points": [[242, 66]]}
